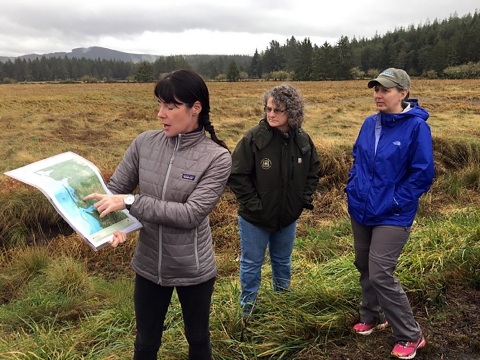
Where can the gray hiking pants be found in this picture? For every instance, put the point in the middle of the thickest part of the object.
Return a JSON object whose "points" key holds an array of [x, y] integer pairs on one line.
{"points": [[377, 249]]}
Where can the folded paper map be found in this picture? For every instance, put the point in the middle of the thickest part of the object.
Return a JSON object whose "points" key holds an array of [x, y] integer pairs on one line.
{"points": [[65, 179]]}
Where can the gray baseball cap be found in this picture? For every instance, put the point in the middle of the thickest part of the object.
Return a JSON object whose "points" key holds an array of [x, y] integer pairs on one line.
{"points": [[392, 78]]}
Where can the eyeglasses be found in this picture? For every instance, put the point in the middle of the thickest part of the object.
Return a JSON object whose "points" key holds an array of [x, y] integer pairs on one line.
{"points": [[268, 110]]}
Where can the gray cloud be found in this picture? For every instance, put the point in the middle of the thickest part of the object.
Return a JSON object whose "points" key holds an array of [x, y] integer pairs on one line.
{"points": [[50, 24]]}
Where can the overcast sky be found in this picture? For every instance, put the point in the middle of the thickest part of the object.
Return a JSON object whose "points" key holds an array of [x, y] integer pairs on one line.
{"points": [[185, 27]]}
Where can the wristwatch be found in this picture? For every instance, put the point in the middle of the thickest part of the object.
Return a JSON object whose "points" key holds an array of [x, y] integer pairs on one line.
{"points": [[128, 200]]}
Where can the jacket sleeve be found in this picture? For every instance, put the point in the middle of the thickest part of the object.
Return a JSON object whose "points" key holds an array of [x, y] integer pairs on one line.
{"points": [[353, 170], [199, 205], [125, 178], [242, 175], [421, 172], [362, 133], [312, 178]]}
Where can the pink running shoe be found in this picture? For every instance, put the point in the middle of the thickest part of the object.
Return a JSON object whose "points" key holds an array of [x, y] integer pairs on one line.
{"points": [[366, 329], [408, 349]]}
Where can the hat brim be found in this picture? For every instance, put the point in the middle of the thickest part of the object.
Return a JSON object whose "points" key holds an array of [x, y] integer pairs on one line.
{"points": [[384, 82]]}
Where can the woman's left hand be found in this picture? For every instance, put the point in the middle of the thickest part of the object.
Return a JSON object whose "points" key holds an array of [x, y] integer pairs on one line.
{"points": [[118, 238], [106, 203]]}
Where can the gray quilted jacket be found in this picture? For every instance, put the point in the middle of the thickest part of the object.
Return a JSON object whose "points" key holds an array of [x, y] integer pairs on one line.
{"points": [[180, 180]]}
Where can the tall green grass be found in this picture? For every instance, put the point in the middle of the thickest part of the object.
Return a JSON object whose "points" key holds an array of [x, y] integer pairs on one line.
{"points": [[58, 309]]}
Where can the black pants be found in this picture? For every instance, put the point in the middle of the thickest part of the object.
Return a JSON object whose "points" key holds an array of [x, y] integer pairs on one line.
{"points": [[151, 305]]}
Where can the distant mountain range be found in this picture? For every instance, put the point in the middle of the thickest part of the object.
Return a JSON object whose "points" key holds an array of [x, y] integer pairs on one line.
{"points": [[94, 52]]}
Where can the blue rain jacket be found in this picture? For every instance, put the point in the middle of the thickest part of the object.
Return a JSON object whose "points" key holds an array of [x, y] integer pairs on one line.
{"points": [[383, 187]]}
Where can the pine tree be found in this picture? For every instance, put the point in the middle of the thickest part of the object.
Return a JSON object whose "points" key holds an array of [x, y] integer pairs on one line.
{"points": [[233, 73], [145, 72]]}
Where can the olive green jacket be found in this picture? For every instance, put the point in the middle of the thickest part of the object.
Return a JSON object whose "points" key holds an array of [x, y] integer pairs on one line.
{"points": [[274, 176]]}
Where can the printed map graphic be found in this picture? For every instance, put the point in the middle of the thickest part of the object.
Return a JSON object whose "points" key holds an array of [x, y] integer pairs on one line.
{"points": [[69, 191], [66, 179]]}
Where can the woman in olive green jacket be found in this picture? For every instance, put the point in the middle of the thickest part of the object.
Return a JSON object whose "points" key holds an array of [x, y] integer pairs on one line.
{"points": [[274, 175]]}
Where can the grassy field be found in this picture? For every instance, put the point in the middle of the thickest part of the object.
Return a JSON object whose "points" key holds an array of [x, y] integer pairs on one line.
{"points": [[61, 300]]}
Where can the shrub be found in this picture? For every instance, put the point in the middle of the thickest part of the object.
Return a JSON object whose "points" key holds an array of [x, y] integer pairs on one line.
{"points": [[470, 70]]}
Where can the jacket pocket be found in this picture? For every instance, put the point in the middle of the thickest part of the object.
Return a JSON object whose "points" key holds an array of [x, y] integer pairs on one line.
{"points": [[180, 257], [401, 205], [382, 202]]}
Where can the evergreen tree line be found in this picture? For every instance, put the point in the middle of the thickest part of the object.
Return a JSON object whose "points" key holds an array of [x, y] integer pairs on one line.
{"points": [[93, 70], [448, 48]]}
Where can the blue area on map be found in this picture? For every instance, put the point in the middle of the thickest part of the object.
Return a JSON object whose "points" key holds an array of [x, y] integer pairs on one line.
{"points": [[83, 217]]}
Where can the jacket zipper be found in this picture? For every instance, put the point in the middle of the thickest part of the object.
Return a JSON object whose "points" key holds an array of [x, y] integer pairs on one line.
{"points": [[284, 178], [372, 169], [293, 167], [160, 230]]}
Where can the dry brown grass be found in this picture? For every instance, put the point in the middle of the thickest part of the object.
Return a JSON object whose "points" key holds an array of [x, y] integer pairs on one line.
{"points": [[98, 121]]}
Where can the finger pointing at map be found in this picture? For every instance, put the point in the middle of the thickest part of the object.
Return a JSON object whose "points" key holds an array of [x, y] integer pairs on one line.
{"points": [[66, 179], [106, 203]]}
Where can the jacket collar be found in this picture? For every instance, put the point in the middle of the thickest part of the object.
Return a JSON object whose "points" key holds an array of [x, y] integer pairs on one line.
{"points": [[189, 139], [415, 111], [267, 133]]}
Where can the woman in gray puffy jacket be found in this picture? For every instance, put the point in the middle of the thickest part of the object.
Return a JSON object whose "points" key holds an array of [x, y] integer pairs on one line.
{"points": [[180, 174]]}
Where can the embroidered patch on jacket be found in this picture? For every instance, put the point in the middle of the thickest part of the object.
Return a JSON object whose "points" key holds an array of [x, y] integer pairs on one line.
{"points": [[266, 163], [188, 177]]}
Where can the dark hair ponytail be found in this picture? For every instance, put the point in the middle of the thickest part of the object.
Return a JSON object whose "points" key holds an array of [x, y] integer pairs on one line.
{"points": [[209, 127]]}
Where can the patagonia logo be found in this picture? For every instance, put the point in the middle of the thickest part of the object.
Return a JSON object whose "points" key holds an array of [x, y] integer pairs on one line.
{"points": [[397, 143], [266, 163], [188, 177]]}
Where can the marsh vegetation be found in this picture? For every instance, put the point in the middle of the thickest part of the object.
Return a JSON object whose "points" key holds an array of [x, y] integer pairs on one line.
{"points": [[61, 300]]}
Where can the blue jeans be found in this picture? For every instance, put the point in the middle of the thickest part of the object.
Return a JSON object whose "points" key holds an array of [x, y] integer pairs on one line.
{"points": [[253, 244]]}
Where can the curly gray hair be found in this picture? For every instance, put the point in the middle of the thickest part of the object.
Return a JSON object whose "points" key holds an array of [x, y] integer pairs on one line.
{"points": [[287, 95]]}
